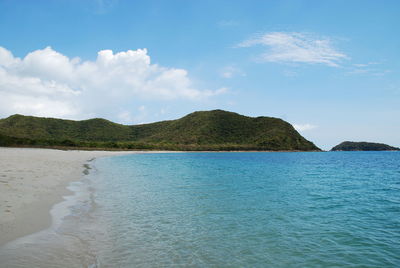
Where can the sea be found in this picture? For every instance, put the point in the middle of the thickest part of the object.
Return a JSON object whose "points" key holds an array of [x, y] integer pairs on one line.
{"points": [[224, 209]]}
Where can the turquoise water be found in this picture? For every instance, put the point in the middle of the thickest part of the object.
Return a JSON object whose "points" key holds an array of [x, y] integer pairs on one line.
{"points": [[335, 209]]}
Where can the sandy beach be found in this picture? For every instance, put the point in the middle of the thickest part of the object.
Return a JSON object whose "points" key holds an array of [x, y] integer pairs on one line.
{"points": [[32, 181]]}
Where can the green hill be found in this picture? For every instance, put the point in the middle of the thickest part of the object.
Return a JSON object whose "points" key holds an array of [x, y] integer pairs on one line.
{"points": [[363, 146], [206, 130]]}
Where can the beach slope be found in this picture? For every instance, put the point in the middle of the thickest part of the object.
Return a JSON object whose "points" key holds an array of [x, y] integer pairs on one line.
{"points": [[31, 182]]}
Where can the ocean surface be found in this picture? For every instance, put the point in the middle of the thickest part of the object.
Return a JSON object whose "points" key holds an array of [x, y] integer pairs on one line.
{"points": [[328, 209]]}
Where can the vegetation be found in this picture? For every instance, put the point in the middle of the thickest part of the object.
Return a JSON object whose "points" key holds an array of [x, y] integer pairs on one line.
{"points": [[363, 146], [206, 130]]}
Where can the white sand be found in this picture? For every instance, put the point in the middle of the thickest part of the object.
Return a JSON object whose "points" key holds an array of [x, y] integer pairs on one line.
{"points": [[31, 182]]}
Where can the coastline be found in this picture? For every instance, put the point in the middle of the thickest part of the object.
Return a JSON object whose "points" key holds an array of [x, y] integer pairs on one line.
{"points": [[121, 150], [32, 181]]}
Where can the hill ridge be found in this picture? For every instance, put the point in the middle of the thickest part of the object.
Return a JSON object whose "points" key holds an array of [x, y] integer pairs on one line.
{"points": [[200, 130], [363, 146]]}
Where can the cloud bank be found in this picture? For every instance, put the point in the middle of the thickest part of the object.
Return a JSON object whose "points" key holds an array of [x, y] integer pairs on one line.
{"points": [[295, 47], [48, 83]]}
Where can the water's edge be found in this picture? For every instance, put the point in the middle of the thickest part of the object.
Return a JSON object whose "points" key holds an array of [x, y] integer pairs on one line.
{"points": [[78, 203]]}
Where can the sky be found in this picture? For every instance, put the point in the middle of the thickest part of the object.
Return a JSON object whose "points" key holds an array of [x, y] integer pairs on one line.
{"points": [[330, 68]]}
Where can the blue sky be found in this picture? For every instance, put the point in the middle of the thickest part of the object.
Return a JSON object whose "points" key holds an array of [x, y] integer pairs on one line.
{"points": [[331, 68]]}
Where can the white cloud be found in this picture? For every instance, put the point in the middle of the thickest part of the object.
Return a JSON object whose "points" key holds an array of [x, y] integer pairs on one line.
{"points": [[48, 83], [7, 58], [303, 127], [294, 47], [360, 65], [135, 116], [126, 117], [370, 68], [231, 71]]}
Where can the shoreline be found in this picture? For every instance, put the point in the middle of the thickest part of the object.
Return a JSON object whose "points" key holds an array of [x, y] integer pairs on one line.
{"points": [[121, 150], [32, 181]]}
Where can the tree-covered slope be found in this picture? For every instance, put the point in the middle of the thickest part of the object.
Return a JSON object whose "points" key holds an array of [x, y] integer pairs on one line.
{"points": [[363, 146], [58, 129], [206, 130]]}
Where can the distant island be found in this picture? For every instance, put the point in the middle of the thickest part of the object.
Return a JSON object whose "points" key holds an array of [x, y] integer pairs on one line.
{"points": [[215, 130], [363, 146]]}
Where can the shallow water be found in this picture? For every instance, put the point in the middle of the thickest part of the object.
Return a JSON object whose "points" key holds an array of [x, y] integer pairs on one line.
{"points": [[336, 209]]}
